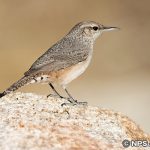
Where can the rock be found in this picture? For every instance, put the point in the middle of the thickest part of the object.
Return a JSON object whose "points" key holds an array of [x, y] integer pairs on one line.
{"points": [[29, 121]]}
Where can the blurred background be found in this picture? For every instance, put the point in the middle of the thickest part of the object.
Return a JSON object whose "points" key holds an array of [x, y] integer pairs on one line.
{"points": [[119, 75]]}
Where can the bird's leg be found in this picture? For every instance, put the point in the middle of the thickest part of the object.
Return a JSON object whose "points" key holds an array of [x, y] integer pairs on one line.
{"points": [[72, 100], [70, 97], [56, 93]]}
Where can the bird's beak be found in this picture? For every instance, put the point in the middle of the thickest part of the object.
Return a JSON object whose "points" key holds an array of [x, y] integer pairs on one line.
{"points": [[105, 28]]}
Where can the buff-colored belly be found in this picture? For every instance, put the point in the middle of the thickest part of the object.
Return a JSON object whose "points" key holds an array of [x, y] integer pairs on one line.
{"points": [[63, 76], [67, 75]]}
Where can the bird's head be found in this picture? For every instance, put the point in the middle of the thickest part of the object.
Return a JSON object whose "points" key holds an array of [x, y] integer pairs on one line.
{"points": [[90, 29]]}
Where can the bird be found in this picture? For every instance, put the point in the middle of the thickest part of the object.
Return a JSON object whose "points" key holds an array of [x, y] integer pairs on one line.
{"points": [[65, 60]]}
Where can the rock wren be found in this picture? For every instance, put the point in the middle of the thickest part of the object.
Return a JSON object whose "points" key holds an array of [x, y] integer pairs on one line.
{"points": [[65, 60]]}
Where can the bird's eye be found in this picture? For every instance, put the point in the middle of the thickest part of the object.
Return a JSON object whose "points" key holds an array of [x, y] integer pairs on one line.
{"points": [[95, 28]]}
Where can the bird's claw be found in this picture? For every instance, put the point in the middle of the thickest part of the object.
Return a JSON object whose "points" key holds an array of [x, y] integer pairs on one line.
{"points": [[74, 103]]}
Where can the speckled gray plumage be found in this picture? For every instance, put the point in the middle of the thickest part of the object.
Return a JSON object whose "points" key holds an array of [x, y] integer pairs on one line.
{"points": [[70, 50]]}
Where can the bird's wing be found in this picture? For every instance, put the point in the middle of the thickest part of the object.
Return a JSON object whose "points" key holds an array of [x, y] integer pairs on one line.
{"points": [[57, 58]]}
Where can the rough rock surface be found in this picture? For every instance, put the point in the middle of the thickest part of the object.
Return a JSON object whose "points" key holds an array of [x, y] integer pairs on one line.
{"points": [[29, 121]]}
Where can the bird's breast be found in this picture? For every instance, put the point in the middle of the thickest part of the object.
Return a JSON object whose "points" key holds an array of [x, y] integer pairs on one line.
{"points": [[65, 76]]}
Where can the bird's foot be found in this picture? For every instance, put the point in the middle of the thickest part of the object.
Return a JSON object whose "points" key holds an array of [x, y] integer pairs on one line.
{"points": [[73, 102], [56, 96], [53, 95]]}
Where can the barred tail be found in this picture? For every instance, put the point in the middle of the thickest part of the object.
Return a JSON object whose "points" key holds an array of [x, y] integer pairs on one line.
{"points": [[24, 80]]}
